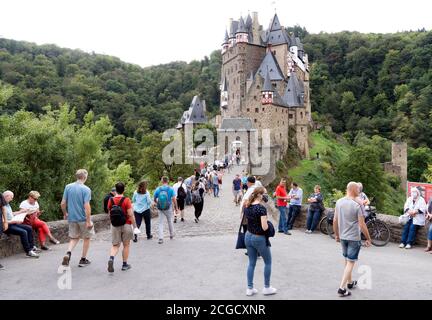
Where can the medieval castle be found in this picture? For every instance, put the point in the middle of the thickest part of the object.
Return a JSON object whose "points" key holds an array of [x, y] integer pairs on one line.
{"points": [[265, 83]]}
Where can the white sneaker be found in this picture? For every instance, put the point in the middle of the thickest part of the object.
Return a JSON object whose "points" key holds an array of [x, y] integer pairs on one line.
{"points": [[269, 291], [408, 246], [401, 246], [251, 292], [32, 254]]}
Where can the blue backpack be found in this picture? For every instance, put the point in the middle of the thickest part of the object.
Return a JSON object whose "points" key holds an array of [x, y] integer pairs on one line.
{"points": [[163, 199]]}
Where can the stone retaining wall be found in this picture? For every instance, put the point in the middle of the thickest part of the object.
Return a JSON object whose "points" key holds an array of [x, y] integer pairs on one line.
{"points": [[391, 221], [12, 245]]}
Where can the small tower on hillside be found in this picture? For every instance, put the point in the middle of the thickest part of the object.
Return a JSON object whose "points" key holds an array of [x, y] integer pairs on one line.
{"points": [[400, 158]]}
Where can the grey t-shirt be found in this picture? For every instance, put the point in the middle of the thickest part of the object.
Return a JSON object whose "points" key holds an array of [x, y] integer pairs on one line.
{"points": [[348, 212]]}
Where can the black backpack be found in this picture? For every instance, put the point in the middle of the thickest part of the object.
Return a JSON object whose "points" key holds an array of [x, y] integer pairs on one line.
{"points": [[117, 215], [181, 193]]}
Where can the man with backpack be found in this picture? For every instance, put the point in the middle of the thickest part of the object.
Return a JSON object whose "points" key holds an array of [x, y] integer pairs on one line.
{"points": [[181, 194], [165, 201], [122, 219]]}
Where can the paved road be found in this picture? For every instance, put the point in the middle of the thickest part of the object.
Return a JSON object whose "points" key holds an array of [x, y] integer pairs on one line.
{"points": [[200, 263]]}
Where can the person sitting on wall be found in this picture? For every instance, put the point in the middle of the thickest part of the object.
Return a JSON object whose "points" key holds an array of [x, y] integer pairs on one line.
{"points": [[32, 219], [17, 228], [415, 210]]}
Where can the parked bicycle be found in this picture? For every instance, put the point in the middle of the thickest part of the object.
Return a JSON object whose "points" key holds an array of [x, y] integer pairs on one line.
{"points": [[379, 231]]}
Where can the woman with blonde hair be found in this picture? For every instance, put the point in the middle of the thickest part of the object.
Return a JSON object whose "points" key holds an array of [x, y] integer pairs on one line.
{"points": [[256, 241], [31, 205]]}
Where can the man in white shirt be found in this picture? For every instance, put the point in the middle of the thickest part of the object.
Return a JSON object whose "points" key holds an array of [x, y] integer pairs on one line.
{"points": [[180, 198]]}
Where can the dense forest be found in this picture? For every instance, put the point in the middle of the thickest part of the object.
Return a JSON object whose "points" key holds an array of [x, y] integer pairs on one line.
{"points": [[65, 108]]}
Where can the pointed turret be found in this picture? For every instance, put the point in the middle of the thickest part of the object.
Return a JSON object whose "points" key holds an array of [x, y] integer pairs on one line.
{"points": [[225, 44], [294, 93], [249, 22], [224, 93], [242, 36], [267, 90]]}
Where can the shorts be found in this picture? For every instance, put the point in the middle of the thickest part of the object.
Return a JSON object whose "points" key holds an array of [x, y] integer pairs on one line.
{"points": [[181, 204], [78, 230], [351, 249], [245, 187], [121, 234], [236, 193]]}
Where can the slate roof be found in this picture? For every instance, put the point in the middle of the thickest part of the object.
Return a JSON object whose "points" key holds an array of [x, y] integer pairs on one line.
{"points": [[195, 114], [267, 83], [294, 93], [241, 26], [226, 37], [276, 34], [237, 124], [270, 64]]}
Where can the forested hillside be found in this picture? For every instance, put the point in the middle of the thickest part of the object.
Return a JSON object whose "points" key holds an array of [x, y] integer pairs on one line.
{"points": [[131, 96], [376, 83]]}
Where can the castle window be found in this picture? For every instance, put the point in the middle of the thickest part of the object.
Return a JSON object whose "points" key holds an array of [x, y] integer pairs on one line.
{"points": [[258, 86], [256, 110], [301, 115], [255, 120], [301, 129], [263, 109], [291, 116], [255, 98], [248, 110]]}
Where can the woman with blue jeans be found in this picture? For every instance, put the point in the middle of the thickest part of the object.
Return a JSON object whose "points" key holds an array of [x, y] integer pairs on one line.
{"points": [[429, 217], [256, 241], [315, 209], [141, 205]]}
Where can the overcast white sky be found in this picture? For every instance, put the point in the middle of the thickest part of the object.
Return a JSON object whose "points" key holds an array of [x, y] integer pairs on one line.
{"points": [[161, 31]]}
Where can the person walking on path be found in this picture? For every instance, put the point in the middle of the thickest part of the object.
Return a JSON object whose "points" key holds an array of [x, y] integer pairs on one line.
{"points": [[76, 209], [348, 224], [106, 199], [141, 202], [122, 219], [296, 198], [180, 194], [198, 199], [282, 201], [415, 210], [256, 242], [237, 189], [165, 201], [215, 182], [316, 208]]}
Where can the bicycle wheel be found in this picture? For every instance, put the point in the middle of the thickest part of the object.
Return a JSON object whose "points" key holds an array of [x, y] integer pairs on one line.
{"points": [[380, 233], [323, 225], [330, 230]]}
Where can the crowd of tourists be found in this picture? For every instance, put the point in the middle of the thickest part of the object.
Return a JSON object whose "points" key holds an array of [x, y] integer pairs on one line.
{"points": [[349, 223], [128, 214]]}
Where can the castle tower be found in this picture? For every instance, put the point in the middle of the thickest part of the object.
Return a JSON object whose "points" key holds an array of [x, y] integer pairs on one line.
{"points": [[242, 35], [266, 81], [400, 158]]}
